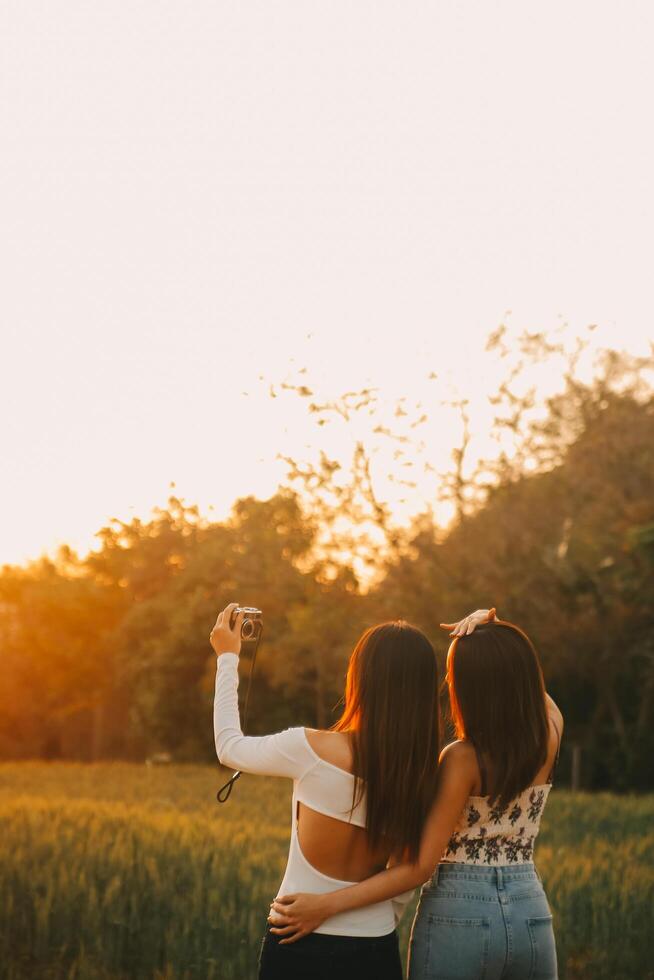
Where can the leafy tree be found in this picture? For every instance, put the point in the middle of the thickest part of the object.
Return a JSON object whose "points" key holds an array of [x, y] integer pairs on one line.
{"points": [[56, 662], [109, 654]]}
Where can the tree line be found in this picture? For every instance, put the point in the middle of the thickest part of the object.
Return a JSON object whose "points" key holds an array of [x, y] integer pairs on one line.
{"points": [[107, 655]]}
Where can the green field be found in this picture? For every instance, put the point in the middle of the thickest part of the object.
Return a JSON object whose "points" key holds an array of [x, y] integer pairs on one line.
{"points": [[113, 871]]}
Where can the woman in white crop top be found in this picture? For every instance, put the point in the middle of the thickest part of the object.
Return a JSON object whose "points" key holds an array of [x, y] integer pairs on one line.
{"points": [[482, 911], [344, 828]]}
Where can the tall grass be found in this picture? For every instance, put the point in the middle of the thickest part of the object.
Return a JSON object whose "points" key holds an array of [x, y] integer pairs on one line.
{"points": [[118, 871]]}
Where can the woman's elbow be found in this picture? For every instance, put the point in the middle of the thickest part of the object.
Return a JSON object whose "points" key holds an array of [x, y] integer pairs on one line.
{"points": [[224, 751], [423, 874], [418, 874]]}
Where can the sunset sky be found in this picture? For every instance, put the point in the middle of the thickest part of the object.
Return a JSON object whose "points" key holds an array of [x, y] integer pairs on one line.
{"points": [[202, 199]]}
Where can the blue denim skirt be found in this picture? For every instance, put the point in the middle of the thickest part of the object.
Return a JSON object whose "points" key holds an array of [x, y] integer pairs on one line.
{"points": [[476, 922]]}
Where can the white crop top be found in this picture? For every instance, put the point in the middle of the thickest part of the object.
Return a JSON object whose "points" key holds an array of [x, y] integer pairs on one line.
{"points": [[317, 783]]}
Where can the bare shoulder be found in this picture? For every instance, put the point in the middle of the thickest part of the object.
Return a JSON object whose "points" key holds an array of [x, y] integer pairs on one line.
{"points": [[554, 712], [333, 747], [457, 767], [459, 754]]}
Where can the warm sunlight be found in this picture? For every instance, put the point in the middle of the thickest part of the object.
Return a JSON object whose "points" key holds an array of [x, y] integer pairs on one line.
{"points": [[158, 260], [328, 325]]}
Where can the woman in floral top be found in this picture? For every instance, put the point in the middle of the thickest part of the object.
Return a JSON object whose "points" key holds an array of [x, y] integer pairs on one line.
{"points": [[482, 911]]}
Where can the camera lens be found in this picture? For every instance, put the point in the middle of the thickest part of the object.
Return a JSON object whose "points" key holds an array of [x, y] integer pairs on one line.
{"points": [[247, 629]]}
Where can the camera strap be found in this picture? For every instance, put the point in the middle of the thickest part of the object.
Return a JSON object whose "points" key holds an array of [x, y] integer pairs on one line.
{"points": [[224, 792]]}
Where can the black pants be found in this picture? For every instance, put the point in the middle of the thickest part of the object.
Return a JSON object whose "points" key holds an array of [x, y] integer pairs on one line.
{"points": [[320, 956]]}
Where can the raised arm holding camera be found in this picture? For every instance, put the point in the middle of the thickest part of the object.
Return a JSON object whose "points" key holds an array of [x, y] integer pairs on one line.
{"points": [[361, 792]]}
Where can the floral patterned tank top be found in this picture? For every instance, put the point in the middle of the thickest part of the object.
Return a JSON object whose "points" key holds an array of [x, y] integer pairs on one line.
{"points": [[488, 834]]}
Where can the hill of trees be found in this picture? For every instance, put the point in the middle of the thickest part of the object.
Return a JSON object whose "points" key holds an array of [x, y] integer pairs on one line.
{"points": [[107, 655]]}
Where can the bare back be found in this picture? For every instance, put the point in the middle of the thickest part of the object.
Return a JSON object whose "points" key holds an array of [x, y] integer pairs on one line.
{"points": [[333, 847]]}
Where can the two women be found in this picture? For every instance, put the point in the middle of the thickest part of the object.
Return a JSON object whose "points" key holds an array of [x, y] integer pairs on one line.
{"points": [[373, 816]]}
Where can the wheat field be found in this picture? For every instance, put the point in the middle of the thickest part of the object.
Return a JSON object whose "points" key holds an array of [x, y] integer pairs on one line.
{"points": [[117, 871]]}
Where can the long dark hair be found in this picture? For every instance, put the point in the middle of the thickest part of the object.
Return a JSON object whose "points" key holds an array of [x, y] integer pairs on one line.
{"points": [[497, 700], [392, 709]]}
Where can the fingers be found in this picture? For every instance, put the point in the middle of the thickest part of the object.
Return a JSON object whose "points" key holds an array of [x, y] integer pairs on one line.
{"points": [[223, 619], [293, 939], [280, 920], [284, 924], [227, 614], [284, 899], [468, 624], [464, 625], [284, 930], [284, 908], [282, 911], [460, 628]]}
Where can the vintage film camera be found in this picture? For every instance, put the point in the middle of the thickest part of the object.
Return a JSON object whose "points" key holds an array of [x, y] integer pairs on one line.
{"points": [[252, 624]]}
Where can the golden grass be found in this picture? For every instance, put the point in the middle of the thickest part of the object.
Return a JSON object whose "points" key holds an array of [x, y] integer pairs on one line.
{"points": [[117, 871]]}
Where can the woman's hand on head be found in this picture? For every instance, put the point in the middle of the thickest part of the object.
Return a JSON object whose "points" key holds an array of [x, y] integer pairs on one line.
{"points": [[469, 623], [223, 638], [295, 916]]}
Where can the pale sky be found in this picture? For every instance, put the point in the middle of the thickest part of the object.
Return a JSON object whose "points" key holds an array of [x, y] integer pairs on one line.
{"points": [[193, 194]]}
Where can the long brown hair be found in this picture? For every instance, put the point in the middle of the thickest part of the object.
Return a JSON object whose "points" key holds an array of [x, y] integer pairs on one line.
{"points": [[392, 709], [497, 700]]}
